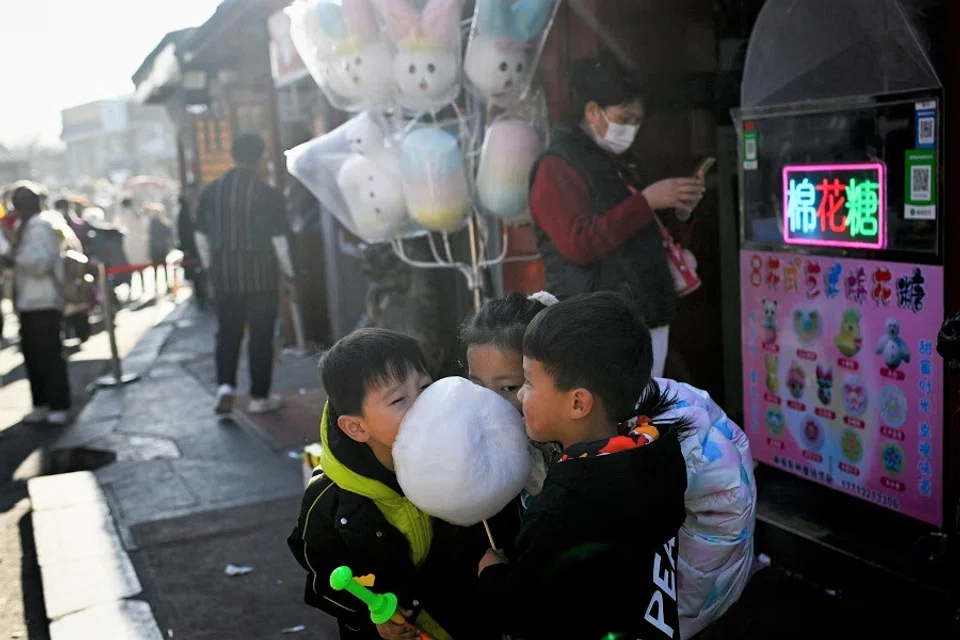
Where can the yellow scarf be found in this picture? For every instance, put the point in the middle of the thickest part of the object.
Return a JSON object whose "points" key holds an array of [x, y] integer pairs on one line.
{"points": [[415, 525]]}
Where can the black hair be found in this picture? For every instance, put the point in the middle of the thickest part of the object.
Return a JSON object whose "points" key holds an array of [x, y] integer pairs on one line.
{"points": [[61, 203], [605, 83], [501, 323], [247, 149], [27, 197], [363, 360], [600, 342]]}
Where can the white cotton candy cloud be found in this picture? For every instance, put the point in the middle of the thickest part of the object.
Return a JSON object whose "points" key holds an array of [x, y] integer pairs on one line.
{"points": [[461, 454]]}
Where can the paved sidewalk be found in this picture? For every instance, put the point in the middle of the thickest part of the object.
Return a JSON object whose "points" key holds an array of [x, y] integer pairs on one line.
{"points": [[186, 495]]}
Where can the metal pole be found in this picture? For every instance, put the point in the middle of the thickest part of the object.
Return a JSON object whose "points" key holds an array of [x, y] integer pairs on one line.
{"points": [[474, 263], [107, 304], [116, 376]]}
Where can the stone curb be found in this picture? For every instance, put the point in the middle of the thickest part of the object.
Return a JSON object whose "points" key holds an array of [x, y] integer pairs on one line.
{"points": [[88, 578], [89, 582]]}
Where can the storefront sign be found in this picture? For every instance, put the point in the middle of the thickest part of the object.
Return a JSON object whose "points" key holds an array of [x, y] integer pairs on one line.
{"points": [[836, 205], [842, 383]]}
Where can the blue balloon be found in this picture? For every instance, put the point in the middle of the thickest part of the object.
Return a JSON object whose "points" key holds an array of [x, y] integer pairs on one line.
{"points": [[330, 17]]}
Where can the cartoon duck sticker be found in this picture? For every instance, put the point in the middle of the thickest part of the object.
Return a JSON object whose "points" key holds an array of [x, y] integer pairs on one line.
{"points": [[825, 385], [808, 325], [769, 320], [892, 347], [849, 341], [796, 381], [773, 379]]}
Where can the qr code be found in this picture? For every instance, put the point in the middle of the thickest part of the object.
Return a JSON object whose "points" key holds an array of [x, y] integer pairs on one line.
{"points": [[926, 131], [920, 184], [750, 149]]}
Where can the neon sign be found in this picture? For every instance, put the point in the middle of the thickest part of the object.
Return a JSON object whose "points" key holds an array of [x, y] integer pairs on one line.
{"points": [[835, 205]]}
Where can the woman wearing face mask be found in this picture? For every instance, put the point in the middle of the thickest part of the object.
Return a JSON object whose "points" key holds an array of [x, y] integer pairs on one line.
{"points": [[596, 227]]}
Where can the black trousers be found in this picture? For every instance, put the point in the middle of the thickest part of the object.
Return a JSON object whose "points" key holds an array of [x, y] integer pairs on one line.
{"points": [[258, 312], [43, 358]]}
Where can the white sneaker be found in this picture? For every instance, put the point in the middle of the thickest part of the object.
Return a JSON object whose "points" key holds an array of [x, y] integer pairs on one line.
{"points": [[37, 416], [58, 418], [225, 396], [266, 405]]}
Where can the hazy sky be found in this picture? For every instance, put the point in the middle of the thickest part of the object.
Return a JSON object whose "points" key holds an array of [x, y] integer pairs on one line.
{"points": [[60, 53]]}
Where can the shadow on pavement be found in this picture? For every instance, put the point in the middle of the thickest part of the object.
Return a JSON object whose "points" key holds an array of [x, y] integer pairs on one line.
{"points": [[34, 611], [181, 564]]}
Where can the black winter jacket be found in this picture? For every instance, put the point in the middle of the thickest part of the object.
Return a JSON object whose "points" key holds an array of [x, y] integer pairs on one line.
{"points": [[597, 552], [337, 527]]}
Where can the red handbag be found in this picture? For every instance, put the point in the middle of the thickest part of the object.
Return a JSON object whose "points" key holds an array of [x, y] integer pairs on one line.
{"points": [[683, 264]]}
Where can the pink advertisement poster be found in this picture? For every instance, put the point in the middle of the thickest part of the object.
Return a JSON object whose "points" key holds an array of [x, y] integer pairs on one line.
{"points": [[841, 375]]}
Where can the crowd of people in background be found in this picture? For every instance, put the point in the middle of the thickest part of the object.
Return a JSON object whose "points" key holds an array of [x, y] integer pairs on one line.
{"points": [[43, 236]]}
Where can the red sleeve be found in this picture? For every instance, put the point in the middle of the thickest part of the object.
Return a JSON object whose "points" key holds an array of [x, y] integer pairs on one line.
{"points": [[560, 206]]}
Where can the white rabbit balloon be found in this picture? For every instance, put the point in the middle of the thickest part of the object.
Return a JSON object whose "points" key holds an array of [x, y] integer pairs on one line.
{"points": [[373, 192], [364, 135], [503, 49], [426, 64], [343, 48]]}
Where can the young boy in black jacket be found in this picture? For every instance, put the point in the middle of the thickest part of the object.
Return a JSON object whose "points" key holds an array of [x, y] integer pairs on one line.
{"points": [[354, 512], [596, 556]]}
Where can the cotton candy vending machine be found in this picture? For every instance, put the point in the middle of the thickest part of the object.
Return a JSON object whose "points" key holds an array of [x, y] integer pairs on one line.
{"points": [[842, 294]]}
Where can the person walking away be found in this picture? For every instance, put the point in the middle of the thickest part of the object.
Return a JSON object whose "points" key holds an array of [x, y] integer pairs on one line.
{"points": [[243, 241], [192, 269], [596, 229], [161, 241], [38, 269], [73, 231]]}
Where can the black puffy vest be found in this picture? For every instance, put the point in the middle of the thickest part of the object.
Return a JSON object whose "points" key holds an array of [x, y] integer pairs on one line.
{"points": [[640, 264]]}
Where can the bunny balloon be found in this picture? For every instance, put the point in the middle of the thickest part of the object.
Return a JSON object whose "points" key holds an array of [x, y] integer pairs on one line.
{"points": [[370, 181], [503, 49], [373, 192], [341, 45], [426, 64]]}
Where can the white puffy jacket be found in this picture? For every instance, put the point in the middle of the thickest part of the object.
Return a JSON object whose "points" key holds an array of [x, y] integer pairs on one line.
{"points": [[716, 539], [39, 268]]}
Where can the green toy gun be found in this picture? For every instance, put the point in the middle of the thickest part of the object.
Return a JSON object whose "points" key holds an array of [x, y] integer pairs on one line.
{"points": [[383, 607]]}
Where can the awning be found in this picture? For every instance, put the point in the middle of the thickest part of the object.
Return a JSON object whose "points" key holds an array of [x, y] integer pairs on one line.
{"points": [[159, 74]]}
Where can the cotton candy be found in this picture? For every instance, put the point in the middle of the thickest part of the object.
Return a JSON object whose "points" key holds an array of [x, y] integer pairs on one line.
{"points": [[461, 453]]}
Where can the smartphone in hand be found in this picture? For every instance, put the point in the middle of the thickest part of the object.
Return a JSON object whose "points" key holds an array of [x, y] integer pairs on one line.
{"points": [[684, 215]]}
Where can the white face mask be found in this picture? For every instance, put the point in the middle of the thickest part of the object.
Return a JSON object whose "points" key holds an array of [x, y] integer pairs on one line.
{"points": [[619, 137]]}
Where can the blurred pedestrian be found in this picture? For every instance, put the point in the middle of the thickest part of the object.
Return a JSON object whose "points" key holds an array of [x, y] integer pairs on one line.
{"points": [[76, 316], [192, 269], [161, 240], [243, 239], [38, 268]]}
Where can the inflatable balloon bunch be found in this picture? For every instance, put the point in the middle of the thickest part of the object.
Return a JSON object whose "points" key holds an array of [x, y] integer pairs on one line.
{"points": [[398, 65]]}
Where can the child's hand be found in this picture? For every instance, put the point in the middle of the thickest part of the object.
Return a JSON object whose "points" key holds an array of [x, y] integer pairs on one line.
{"points": [[491, 558], [393, 631]]}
